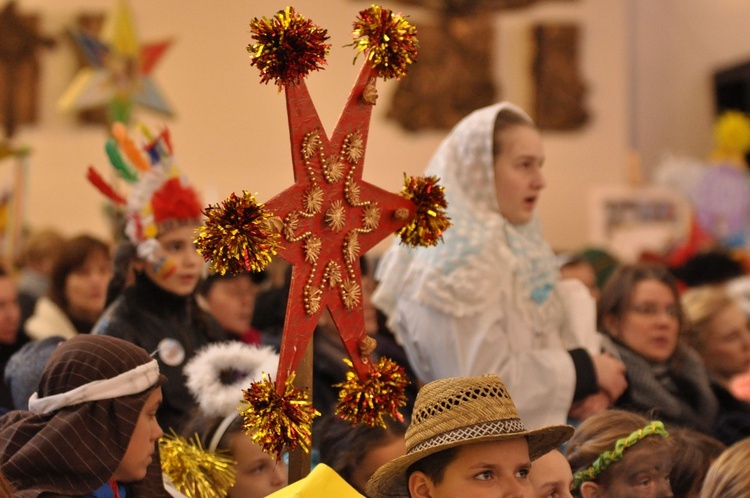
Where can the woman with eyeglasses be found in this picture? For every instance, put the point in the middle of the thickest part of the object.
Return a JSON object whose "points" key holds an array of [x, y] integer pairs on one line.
{"points": [[640, 310]]}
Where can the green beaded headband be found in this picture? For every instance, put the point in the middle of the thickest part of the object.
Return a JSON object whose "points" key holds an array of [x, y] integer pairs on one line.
{"points": [[654, 428]]}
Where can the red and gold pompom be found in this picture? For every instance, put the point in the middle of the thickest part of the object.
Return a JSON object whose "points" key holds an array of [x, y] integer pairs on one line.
{"points": [[382, 393], [430, 220], [239, 235], [277, 421], [287, 47], [388, 40], [195, 472]]}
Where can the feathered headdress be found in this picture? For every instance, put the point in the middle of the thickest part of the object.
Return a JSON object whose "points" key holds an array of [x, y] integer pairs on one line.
{"points": [[324, 222], [160, 197]]}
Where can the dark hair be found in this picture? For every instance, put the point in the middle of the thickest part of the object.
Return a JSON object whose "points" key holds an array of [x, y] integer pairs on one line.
{"points": [[692, 456], [505, 119], [343, 446], [73, 256], [205, 284], [618, 292], [709, 268], [205, 427], [433, 466]]}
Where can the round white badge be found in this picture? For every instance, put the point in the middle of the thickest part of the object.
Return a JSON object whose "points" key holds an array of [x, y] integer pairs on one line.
{"points": [[171, 352]]}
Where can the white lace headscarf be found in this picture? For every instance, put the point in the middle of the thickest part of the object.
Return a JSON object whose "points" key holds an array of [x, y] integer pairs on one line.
{"points": [[453, 277]]}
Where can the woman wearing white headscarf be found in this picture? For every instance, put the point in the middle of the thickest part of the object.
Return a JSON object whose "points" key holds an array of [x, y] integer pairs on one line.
{"points": [[489, 299]]}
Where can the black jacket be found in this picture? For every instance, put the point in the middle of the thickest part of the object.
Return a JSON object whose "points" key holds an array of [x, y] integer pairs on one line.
{"points": [[156, 319]]}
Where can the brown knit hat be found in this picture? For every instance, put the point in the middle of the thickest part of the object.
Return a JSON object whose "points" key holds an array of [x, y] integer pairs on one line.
{"points": [[455, 412]]}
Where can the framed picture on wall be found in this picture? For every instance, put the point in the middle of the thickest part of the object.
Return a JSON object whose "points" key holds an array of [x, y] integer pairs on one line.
{"points": [[628, 221]]}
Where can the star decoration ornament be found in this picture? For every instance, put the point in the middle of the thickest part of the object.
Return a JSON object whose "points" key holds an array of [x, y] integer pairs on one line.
{"points": [[330, 215], [118, 74]]}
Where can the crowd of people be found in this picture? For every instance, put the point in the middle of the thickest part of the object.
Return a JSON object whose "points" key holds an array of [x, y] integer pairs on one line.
{"points": [[533, 374]]}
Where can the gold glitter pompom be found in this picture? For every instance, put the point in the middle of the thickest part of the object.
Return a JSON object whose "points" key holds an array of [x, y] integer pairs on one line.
{"points": [[277, 421], [388, 40], [239, 235], [430, 220], [195, 472], [287, 47], [381, 394]]}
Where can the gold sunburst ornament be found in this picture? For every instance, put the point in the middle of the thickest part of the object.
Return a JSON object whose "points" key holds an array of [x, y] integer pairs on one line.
{"points": [[313, 200], [333, 169], [332, 274], [371, 217], [351, 247], [312, 249], [351, 293], [336, 216], [312, 299], [354, 147], [310, 144]]}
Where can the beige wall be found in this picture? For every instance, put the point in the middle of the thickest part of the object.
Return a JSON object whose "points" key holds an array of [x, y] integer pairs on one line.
{"points": [[230, 132], [678, 44]]}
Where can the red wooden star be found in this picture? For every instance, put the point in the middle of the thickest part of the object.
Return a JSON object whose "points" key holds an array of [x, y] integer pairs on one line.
{"points": [[331, 217]]}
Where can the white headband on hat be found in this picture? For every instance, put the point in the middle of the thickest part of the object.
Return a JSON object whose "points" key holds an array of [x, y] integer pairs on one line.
{"points": [[131, 382]]}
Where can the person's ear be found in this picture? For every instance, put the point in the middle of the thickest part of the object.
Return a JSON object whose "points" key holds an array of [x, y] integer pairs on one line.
{"points": [[420, 485], [590, 490], [611, 325]]}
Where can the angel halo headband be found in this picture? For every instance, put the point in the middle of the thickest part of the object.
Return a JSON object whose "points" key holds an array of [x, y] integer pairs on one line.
{"points": [[653, 428], [133, 381]]}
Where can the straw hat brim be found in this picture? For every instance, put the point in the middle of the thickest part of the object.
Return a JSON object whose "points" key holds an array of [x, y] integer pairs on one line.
{"points": [[390, 479]]}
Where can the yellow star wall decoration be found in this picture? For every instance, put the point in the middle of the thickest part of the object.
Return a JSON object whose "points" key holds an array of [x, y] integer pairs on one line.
{"points": [[118, 71]]}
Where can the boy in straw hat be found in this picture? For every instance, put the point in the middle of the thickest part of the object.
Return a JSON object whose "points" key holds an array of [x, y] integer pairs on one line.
{"points": [[465, 439], [91, 428]]}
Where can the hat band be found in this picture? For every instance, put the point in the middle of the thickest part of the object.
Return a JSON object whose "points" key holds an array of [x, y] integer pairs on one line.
{"points": [[492, 428], [133, 381]]}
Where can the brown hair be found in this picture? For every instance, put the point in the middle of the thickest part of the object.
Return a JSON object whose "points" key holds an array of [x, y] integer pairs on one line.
{"points": [[598, 434], [728, 476], [693, 454], [701, 305], [618, 292], [41, 245], [73, 256], [507, 118], [343, 446]]}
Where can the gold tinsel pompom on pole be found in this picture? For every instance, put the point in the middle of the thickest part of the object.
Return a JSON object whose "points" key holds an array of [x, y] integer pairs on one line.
{"points": [[239, 235], [195, 472], [287, 47], [277, 421], [382, 393], [388, 40], [430, 220]]}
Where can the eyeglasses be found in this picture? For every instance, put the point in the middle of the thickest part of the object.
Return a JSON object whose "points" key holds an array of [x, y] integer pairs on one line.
{"points": [[652, 310]]}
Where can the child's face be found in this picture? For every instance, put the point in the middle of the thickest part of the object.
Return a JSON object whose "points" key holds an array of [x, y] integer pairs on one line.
{"points": [[518, 173], [551, 476], [232, 301], [258, 474], [378, 456], [179, 265], [142, 446], [643, 472], [482, 470]]}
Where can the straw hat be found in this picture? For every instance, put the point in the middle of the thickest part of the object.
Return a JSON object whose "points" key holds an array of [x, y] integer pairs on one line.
{"points": [[455, 412]]}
